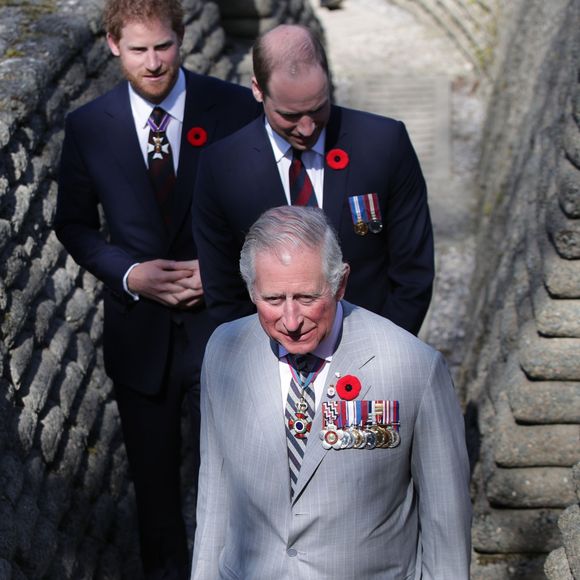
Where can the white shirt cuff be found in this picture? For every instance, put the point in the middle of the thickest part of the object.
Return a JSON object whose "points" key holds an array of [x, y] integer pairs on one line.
{"points": [[126, 287]]}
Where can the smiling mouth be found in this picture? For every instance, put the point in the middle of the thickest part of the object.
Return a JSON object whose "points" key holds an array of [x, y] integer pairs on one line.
{"points": [[298, 336]]}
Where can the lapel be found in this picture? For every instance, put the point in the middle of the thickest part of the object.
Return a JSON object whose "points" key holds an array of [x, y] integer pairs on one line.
{"points": [[335, 180], [270, 191], [124, 145], [198, 112], [352, 357], [266, 401]]}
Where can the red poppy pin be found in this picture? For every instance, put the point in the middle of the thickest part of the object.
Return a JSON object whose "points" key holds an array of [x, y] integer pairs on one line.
{"points": [[337, 159], [197, 136], [348, 387]]}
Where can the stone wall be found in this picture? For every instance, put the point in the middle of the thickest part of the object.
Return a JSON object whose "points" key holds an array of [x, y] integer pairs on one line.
{"points": [[522, 369], [243, 20], [66, 506]]}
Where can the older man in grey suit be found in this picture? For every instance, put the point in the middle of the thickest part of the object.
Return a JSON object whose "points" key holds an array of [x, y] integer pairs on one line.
{"points": [[332, 441]]}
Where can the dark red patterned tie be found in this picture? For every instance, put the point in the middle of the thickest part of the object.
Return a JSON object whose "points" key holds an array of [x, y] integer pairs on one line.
{"points": [[160, 160], [301, 190]]}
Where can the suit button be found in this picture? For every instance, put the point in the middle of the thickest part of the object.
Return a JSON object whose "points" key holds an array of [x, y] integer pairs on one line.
{"points": [[292, 552]]}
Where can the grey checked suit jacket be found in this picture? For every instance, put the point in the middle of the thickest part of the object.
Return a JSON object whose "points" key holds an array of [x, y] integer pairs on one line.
{"points": [[401, 513]]}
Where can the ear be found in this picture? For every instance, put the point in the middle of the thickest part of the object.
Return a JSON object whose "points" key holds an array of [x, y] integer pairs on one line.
{"points": [[257, 91], [113, 45], [342, 286]]}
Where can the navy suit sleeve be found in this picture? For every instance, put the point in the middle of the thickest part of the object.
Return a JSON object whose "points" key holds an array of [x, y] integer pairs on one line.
{"points": [[77, 221], [219, 239], [410, 240]]}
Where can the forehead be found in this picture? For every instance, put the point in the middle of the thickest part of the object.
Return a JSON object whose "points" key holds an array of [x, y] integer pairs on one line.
{"points": [[289, 271], [302, 88], [146, 29]]}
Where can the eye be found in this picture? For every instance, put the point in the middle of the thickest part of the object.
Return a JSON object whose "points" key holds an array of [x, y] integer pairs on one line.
{"points": [[306, 300], [273, 300], [291, 116]]}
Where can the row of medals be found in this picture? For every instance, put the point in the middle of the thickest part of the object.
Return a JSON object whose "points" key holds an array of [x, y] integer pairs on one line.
{"points": [[371, 437], [374, 226]]}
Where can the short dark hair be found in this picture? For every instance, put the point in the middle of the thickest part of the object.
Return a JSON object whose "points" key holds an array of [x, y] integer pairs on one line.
{"points": [[308, 50], [117, 13]]}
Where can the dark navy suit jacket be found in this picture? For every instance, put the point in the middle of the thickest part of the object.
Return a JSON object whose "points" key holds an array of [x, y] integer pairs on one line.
{"points": [[102, 163], [391, 272]]}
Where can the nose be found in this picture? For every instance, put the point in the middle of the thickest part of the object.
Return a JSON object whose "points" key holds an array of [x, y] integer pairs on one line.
{"points": [[306, 126], [152, 61], [291, 316]]}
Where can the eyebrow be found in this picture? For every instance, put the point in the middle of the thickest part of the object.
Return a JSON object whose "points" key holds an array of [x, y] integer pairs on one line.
{"points": [[301, 113], [163, 44], [293, 296]]}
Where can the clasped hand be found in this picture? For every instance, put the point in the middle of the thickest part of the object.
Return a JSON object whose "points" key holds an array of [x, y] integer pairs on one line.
{"points": [[170, 282]]}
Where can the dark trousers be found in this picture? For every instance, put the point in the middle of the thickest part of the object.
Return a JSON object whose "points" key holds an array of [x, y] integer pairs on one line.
{"points": [[153, 440]]}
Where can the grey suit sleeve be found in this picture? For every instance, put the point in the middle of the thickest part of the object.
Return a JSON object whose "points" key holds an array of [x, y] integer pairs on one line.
{"points": [[212, 498], [440, 470]]}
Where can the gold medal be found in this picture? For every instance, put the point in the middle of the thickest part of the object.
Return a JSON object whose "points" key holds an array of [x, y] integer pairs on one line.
{"points": [[379, 435], [360, 228], [387, 437]]}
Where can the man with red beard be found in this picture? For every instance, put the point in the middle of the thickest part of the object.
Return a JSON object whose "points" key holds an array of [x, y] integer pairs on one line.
{"points": [[134, 153]]}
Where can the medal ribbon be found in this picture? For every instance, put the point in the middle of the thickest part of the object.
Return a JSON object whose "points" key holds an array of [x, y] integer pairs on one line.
{"points": [[303, 384], [372, 206], [162, 125], [357, 209]]}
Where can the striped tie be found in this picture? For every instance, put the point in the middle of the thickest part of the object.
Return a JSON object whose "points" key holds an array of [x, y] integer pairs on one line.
{"points": [[299, 410], [301, 190], [160, 160]]}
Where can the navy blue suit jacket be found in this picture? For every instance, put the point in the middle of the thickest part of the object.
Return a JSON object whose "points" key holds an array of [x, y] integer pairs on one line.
{"points": [[391, 272], [102, 164]]}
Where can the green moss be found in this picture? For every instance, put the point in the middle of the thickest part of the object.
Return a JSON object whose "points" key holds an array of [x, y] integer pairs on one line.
{"points": [[28, 11], [13, 53], [31, 10], [484, 57]]}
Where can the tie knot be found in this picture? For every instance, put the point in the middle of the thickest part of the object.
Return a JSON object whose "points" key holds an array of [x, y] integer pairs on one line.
{"points": [[304, 363], [296, 154], [157, 116]]}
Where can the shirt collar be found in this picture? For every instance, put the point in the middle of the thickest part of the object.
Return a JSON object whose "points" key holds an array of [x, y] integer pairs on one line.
{"points": [[327, 347], [281, 147], [174, 102]]}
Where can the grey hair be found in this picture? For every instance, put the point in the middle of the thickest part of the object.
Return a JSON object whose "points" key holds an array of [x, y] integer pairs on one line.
{"points": [[288, 227]]}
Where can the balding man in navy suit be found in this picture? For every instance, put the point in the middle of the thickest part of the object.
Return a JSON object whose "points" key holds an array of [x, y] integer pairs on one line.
{"points": [[360, 168]]}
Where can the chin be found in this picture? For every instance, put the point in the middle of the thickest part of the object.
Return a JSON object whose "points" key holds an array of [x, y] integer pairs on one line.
{"points": [[299, 348]]}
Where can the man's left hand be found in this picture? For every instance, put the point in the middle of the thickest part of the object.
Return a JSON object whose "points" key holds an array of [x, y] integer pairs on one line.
{"points": [[192, 293]]}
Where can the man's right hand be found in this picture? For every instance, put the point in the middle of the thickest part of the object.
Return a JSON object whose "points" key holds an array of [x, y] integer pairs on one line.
{"points": [[159, 280]]}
